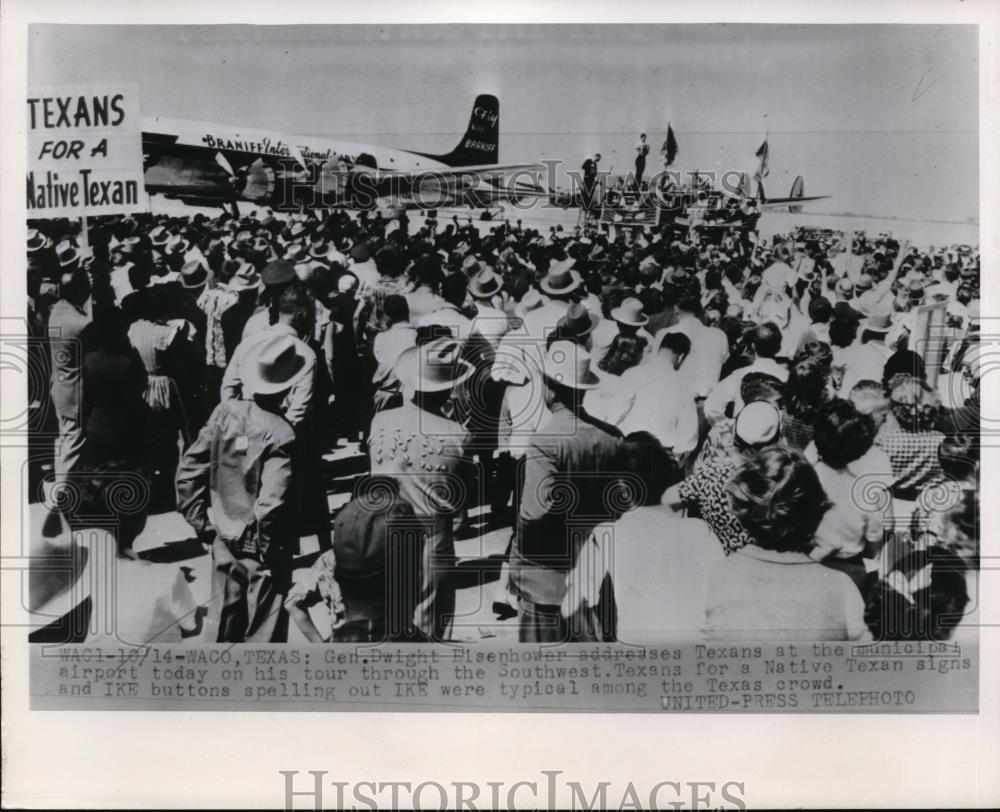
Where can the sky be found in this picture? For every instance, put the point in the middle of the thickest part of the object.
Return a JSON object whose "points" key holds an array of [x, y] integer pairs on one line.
{"points": [[884, 118]]}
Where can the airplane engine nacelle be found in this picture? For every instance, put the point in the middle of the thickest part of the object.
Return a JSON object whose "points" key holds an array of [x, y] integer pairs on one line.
{"points": [[258, 183]]}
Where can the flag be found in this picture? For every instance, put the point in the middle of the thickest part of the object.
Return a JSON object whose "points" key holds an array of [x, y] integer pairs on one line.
{"points": [[763, 171], [669, 149], [745, 190]]}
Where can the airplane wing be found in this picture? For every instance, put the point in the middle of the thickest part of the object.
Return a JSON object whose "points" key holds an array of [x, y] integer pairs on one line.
{"points": [[789, 201], [457, 171]]}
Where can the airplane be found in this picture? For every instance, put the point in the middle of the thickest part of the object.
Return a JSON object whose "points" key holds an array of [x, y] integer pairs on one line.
{"points": [[208, 164], [796, 197]]}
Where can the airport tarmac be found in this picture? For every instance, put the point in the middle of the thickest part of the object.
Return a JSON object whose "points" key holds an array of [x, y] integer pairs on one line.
{"points": [[923, 233]]}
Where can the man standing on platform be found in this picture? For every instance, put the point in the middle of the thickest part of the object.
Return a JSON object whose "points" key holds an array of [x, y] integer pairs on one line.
{"points": [[590, 172], [641, 151]]}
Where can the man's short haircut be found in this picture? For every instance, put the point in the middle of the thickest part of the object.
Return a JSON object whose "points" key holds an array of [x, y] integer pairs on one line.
{"points": [[295, 298], [842, 433], [396, 308], [761, 386], [843, 331], [820, 310], [454, 288], [654, 465], [678, 342], [767, 340], [138, 276]]}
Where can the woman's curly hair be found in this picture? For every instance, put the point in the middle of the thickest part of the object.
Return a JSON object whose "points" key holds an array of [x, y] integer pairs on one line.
{"points": [[778, 498]]}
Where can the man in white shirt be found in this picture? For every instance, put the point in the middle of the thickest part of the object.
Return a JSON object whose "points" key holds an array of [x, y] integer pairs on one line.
{"points": [[709, 345], [766, 344], [865, 359], [661, 399], [792, 324], [398, 337]]}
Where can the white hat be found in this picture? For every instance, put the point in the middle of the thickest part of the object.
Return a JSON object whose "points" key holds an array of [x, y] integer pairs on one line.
{"points": [[758, 423]]}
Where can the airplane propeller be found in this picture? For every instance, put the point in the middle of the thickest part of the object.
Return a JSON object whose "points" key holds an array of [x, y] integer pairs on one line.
{"points": [[227, 167], [255, 182]]}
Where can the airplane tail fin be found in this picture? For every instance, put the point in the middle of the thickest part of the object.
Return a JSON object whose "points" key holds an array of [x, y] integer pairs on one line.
{"points": [[481, 142], [798, 190]]}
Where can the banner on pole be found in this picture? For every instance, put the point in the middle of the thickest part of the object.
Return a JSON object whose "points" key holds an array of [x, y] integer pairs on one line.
{"points": [[84, 151]]}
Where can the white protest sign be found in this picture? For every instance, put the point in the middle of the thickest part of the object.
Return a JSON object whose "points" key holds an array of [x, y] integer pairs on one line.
{"points": [[84, 151]]}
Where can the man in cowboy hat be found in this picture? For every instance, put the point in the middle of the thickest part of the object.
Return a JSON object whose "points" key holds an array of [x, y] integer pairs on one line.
{"points": [[559, 286], [577, 325], [490, 321], [276, 276], [241, 466], [194, 277], [420, 446], [628, 319], [572, 461], [294, 313]]}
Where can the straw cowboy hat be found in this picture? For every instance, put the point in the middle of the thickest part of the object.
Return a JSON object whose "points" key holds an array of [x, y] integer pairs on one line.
{"points": [[630, 312], [273, 365], [578, 321], [321, 250], [177, 245], [295, 252], [68, 256], [37, 241], [560, 281], [194, 275], [485, 284], [864, 282], [532, 300], [877, 323], [159, 236], [568, 364], [436, 366], [244, 278]]}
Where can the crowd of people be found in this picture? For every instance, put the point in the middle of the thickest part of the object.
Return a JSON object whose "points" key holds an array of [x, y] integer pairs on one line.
{"points": [[686, 431]]}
